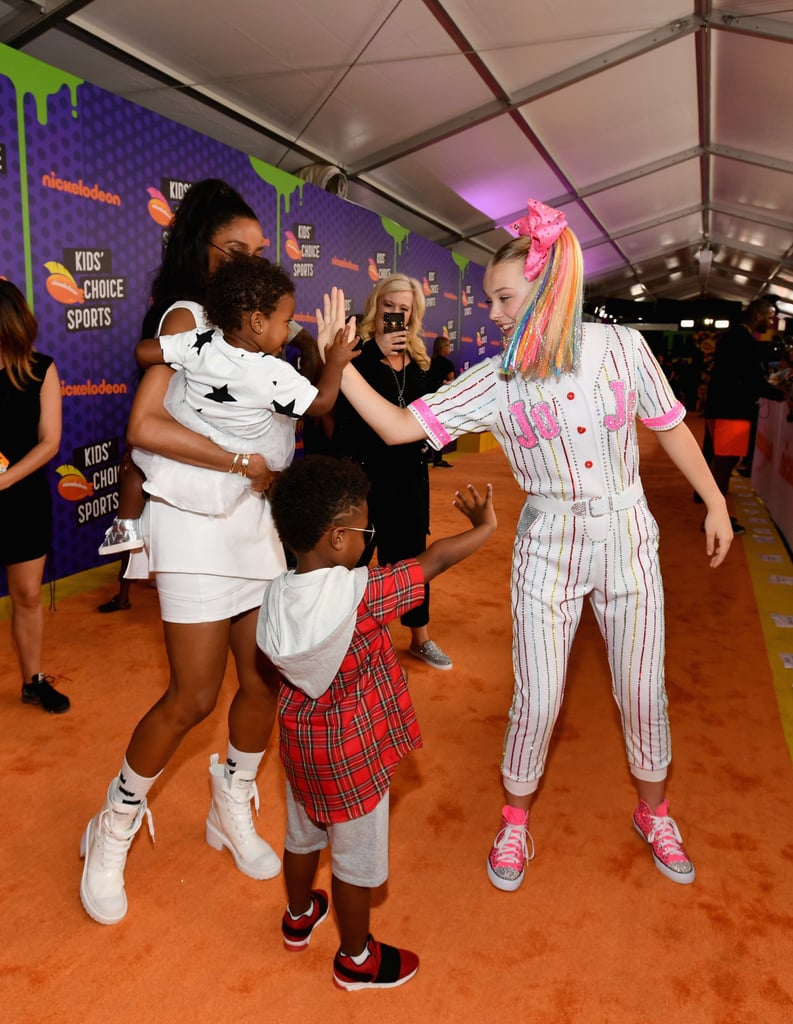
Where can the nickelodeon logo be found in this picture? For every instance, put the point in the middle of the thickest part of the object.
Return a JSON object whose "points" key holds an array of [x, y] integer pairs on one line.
{"points": [[90, 387], [62, 286], [73, 485], [79, 188], [159, 208]]}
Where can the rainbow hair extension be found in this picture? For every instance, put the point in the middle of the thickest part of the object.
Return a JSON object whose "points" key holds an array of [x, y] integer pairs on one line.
{"points": [[546, 340]]}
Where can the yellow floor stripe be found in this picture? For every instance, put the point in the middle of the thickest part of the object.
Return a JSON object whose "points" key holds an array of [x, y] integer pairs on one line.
{"points": [[68, 586], [771, 571]]}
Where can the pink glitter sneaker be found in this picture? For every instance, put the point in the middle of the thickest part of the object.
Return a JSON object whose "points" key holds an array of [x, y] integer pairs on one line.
{"points": [[506, 864], [661, 833]]}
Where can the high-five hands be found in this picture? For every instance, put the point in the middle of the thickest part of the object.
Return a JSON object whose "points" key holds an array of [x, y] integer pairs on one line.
{"points": [[330, 320]]}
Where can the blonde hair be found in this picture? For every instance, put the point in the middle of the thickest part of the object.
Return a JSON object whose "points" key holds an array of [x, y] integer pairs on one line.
{"points": [[367, 328], [546, 339]]}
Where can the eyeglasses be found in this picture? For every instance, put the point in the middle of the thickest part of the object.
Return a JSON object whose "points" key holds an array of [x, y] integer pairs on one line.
{"points": [[368, 530], [232, 253]]}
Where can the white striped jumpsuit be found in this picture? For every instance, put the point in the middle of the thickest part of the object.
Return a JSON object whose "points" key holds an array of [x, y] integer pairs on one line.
{"points": [[570, 440]]}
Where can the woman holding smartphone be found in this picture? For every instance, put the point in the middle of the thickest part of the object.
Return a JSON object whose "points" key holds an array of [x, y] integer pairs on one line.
{"points": [[394, 361]]}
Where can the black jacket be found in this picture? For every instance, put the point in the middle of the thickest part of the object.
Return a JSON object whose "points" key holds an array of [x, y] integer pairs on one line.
{"points": [[737, 381]]}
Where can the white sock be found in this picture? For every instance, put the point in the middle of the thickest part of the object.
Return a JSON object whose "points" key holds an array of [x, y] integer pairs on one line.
{"points": [[131, 787], [296, 917], [361, 958], [239, 761]]}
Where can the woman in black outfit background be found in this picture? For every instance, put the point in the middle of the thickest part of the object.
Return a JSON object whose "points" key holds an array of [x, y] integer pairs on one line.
{"points": [[30, 435], [394, 361]]}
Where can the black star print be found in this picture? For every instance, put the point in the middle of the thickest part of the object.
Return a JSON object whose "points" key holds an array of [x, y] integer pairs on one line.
{"points": [[220, 394], [285, 410], [202, 339]]}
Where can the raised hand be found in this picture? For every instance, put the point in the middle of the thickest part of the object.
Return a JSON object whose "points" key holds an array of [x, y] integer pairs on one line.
{"points": [[479, 510], [342, 349], [330, 319]]}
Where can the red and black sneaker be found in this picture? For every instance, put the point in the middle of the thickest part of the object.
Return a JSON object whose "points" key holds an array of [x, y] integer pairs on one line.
{"points": [[297, 932], [385, 967]]}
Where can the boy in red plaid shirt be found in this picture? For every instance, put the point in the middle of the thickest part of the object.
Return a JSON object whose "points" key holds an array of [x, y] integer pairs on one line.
{"points": [[345, 714]]}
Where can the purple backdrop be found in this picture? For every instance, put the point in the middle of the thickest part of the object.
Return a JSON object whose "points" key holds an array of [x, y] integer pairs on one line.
{"points": [[89, 183]]}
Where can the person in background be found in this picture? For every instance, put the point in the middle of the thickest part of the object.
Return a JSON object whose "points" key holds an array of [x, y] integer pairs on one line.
{"points": [[211, 573], [30, 435], [782, 377], [302, 352], [737, 382], [441, 371], [394, 362], [345, 714], [562, 402]]}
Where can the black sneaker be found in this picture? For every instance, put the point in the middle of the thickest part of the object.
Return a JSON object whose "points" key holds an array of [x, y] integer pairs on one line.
{"points": [[115, 604], [39, 691], [385, 967], [297, 933], [737, 529]]}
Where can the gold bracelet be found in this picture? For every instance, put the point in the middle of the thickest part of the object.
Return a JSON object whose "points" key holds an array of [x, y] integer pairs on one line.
{"points": [[244, 464], [234, 461]]}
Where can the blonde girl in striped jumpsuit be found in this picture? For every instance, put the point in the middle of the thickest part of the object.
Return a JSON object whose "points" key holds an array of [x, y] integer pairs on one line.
{"points": [[562, 401]]}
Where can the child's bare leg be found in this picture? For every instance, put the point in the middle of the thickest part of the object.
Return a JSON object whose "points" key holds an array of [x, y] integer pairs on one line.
{"points": [[131, 496], [651, 792], [523, 803], [352, 904], [299, 872]]}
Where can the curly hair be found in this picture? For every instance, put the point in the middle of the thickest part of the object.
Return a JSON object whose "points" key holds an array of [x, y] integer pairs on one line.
{"points": [[312, 494], [18, 330], [208, 206], [243, 285]]}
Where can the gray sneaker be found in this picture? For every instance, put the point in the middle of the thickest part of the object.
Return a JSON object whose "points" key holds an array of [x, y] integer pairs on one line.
{"points": [[432, 654]]}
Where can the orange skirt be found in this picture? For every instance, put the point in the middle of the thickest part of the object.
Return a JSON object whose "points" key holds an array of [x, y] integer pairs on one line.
{"points": [[730, 437]]}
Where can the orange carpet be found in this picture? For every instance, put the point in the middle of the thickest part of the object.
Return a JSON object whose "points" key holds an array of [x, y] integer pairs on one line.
{"points": [[595, 935]]}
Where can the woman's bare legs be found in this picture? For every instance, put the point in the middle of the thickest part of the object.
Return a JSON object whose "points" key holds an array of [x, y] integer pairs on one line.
{"points": [[197, 653], [253, 708], [27, 622]]}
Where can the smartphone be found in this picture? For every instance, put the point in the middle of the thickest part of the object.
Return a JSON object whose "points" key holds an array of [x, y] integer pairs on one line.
{"points": [[393, 322]]}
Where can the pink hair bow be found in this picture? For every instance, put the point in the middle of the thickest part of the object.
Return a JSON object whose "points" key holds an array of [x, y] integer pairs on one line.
{"points": [[544, 225]]}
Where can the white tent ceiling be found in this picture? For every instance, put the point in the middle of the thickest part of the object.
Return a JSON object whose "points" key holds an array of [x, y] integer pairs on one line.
{"points": [[661, 127]]}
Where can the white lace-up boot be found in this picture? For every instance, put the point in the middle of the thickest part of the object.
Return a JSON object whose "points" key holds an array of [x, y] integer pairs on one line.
{"points": [[230, 822], [104, 845]]}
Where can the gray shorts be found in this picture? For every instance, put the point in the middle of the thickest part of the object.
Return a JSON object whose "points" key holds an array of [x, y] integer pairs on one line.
{"points": [[358, 848]]}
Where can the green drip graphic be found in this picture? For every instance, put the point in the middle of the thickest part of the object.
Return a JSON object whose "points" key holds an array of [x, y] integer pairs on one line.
{"points": [[462, 265], [31, 77], [461, 261], [285, 185], [398, 233]]}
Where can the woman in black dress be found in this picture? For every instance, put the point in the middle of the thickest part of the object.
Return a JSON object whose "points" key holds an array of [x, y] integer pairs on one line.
{"points": [[30, 435], [395, 362]]}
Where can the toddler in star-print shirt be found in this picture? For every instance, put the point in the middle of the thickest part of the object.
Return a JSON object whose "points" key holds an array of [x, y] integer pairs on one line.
{"points": [[232, 387]]}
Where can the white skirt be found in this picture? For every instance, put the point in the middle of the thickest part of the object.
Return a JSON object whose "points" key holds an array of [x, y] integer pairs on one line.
{"points": [[194, 597]]}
